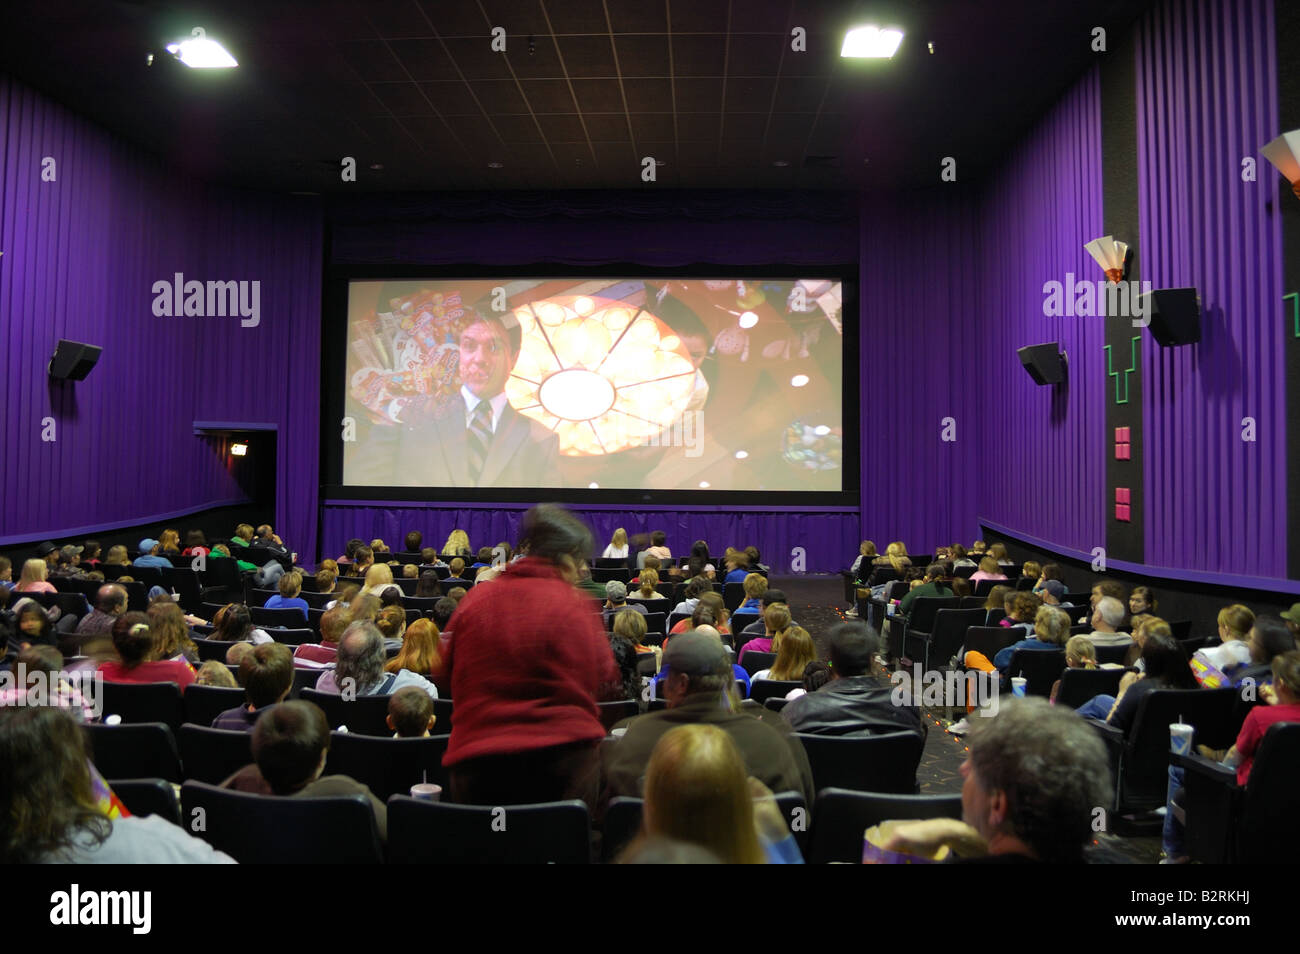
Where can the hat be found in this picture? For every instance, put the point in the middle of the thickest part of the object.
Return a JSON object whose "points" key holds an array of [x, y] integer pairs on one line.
{"points": [[68, 552], [1293, 614], [696, 654], [45, 549], [615, 591], [147, 544], [1055, 587]]}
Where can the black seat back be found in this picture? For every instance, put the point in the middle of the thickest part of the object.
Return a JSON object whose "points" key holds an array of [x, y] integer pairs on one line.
{"points": [[611, 713], [921, 618], [1080, 685], [148, 796], [1144, 778], [880, 763], [205, 703], [387, 766], [949, 633], [144, 702], [1042, 667], [437, 832], [753, 661], [840, 818], [138, 750], [760, 690], [213, 755], [988, 640], [267, 829], [1268, 816]]}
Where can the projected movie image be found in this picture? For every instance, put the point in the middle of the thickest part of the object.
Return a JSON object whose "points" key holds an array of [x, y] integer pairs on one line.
{"points": [[635, 384]]}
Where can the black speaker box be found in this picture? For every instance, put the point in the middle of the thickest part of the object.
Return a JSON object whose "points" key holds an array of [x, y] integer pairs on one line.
{"points": [[1044, 362], [1175, 315], [73, 360]]}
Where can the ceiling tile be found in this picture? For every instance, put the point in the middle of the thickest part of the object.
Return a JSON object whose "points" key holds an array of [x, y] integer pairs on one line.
{"points": [[549, 96], [698, 95], [402, 99], [749, 95], [755, 55], [371, 60], [642, 55], [563, 128], [542, 63], [699, 16], [587, 55], [476, 59], [699, 55], [455, 19], [744, 125], [609, 128], [454, 99], [650, 127], [424, 60], [799, 94], [576, 16], [698, 126], [648, 95], [518, 129], [598, 96], [500, 96], [638, 16]]}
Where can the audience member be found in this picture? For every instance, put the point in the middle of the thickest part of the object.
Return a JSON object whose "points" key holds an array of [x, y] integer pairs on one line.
{"points": [[233, 623], [429, 586], [57, 807], [171, 635], [137, 656], [39, 680], [1165, 666], [646, 583], [1033, 779], [216, 673], [989, 570], [617, 548], [360, 667], [267, 676], [420, 651], [410, 714], [854, 702], [697, 791], [442, 611], [932, 585], [413, 541], [33, 579], [755, 585], [527, 727], [776, 621], [325, 653], [1107, 615], [795, 653], [290, 747], [149, 554], [290, 587], [700, 688], [616, 600]]}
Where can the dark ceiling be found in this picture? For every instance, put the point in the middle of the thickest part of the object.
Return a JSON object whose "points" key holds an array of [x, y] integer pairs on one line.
{"points": [[709, 88]]}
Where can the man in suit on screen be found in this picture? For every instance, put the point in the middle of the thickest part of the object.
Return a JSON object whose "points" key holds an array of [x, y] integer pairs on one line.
{"points": [[474, 439]]}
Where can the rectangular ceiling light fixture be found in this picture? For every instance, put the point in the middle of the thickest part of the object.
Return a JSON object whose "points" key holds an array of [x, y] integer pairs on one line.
{"points": [[200, 53], [872, 42]]}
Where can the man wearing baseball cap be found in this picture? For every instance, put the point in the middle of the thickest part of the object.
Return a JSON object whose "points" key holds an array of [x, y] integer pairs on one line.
{"points": [[68, 568], [1292, 619], [149, 554], [699, 689], [1053, 593]]}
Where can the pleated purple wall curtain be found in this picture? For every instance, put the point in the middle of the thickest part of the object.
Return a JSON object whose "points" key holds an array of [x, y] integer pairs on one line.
{"points": [[1207, 99], [87, 225]]}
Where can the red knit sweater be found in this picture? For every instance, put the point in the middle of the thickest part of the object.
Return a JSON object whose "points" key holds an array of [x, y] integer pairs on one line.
{"points": [[526, 659]]}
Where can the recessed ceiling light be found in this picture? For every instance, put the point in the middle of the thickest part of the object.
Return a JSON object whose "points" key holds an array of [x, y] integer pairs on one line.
{"points": [[376, 166], [799, 380], [741, 455], [780, 163], [200, 53], [872, 42], [496, 165]]}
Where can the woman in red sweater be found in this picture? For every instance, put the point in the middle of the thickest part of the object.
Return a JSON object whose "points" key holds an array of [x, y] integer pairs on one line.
{"points": [[527, 660]]}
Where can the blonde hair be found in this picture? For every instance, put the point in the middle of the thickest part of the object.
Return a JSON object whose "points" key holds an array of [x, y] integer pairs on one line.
{"points": [[998, 551], [990, 565], [649, 579], [391, 621], [33, 572], [457, 540], [1032, 569], [1052, 625], [697, 791], [117, 556], [379, 575], [755, 585], [630, 623], [896, 553], [796, 652], [776, 620], [420, 650], [170, 540], [1237, 619], [216, 673], [1079, 651], [619, 539]]}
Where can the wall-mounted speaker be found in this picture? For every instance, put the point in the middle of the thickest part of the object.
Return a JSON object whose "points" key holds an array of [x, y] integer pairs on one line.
{"points": [[1045, 362], [73, 360], [1175, 315]]}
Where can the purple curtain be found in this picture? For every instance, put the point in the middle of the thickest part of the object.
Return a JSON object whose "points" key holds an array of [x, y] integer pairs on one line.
{"points": [[81, 253], [1207, 99], [821, 541]]}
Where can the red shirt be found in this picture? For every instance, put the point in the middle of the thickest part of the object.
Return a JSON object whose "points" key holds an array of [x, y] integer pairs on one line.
{"points": [[526, 662], [1258, 721], [167, 670]]}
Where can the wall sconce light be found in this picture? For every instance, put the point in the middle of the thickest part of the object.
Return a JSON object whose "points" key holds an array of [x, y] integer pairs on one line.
{"points": [[1113, 256], [1284, 153], [239, 450]]}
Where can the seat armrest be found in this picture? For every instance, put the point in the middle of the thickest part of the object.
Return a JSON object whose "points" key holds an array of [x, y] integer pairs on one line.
{"points": [[1207, 768]]}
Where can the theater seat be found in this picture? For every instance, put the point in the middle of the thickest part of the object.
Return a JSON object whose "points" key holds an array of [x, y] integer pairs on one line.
{"points": [[387, 766], [137, 750], [148, 796], [213, 755], [422, 832], [840, 818], [878, 763], [144, 702], [269, 829]]}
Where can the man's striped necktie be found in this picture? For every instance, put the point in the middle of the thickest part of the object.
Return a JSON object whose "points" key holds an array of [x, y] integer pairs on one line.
{"points": [[477, 438]]}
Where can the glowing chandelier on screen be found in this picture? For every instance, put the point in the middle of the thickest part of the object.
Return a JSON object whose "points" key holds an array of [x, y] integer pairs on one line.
{"points": [[604, 375]]}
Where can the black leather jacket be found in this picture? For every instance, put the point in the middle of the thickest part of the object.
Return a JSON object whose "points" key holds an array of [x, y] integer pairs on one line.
{"points": [[854, 706]]}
